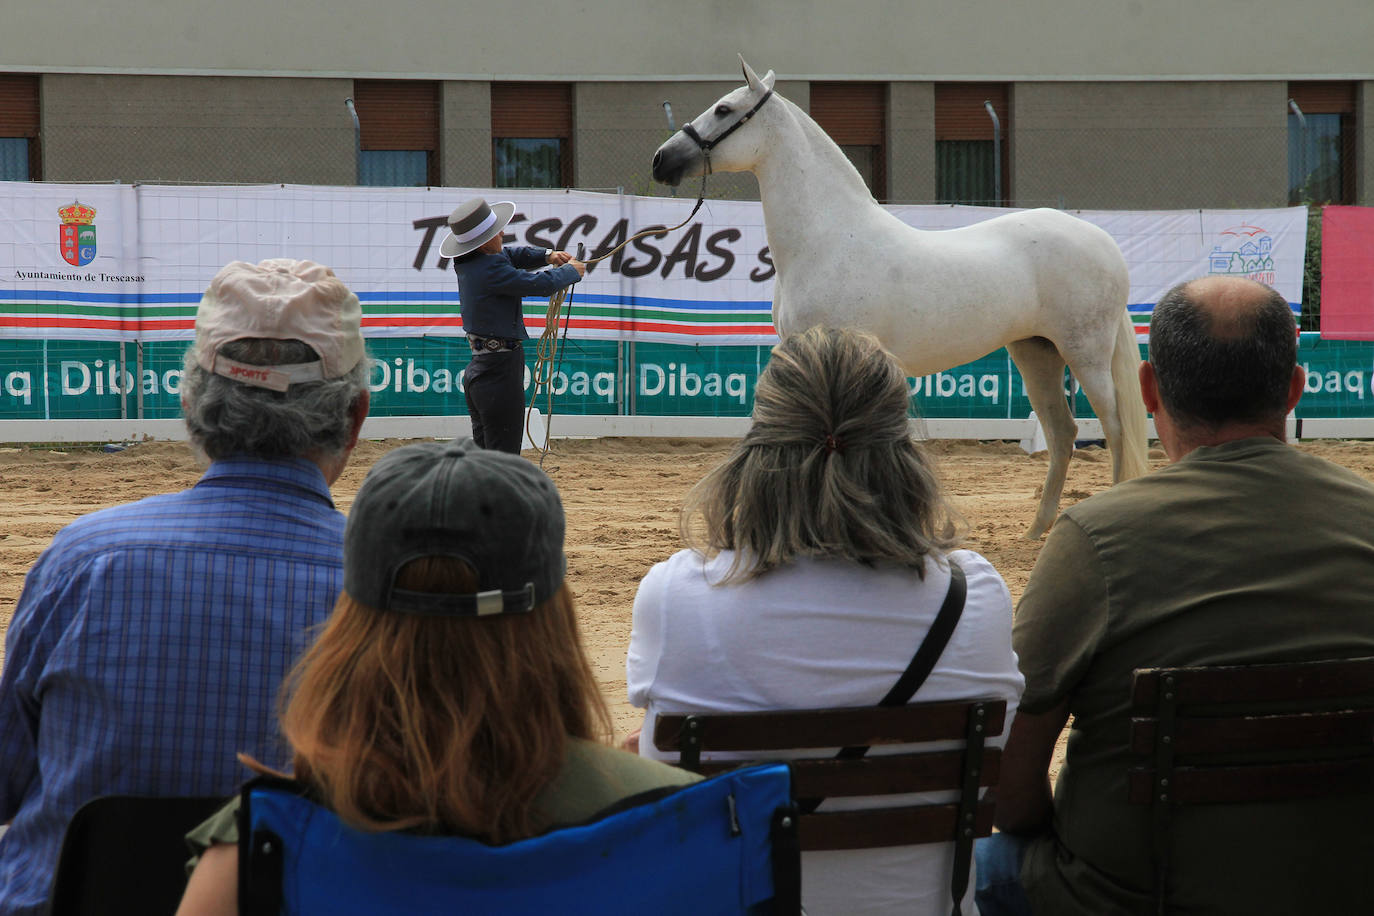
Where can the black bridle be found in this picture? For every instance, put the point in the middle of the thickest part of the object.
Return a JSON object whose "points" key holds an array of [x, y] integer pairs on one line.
{"points": [[707, 145]]}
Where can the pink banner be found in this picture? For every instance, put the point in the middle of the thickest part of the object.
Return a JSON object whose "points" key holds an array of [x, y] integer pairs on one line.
{"points": [[1347, 273]]}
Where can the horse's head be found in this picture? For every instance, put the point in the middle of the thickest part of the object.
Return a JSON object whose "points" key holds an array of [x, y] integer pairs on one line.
{"points": [[713, 140]]}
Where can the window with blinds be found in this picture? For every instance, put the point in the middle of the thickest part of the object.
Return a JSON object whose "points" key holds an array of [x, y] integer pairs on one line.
{"points": [[855, 117], [531, 135], [969, 167], [1321, 143], [398, 132], [20, 159]]}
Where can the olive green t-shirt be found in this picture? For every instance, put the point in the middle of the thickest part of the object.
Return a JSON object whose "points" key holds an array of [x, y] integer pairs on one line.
{"points": [[593, 778], [1252, 551]]}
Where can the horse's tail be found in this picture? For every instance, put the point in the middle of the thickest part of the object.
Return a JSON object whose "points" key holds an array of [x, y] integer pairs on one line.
{"points": [[1129, 407]]}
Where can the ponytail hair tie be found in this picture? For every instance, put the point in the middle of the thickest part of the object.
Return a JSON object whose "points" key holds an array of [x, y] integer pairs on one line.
{"points": [[833, 444]]}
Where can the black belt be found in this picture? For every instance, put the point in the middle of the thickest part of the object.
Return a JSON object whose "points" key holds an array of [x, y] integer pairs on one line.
{"points": [[494, 344]]}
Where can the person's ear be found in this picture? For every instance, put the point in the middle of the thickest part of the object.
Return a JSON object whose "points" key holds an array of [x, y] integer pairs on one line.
{"points": [[357, 414], [1149, 387], [1295, 387]]}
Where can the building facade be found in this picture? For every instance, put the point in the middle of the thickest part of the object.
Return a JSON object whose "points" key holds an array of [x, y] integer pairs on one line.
{"points": [[1095, 104]]}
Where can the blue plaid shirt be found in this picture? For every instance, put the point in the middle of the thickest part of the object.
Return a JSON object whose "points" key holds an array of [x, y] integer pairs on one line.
{"points": [[149, 646]]}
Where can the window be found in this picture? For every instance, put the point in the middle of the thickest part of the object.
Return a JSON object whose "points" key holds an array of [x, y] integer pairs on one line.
{"points": [[399, 140], [1321, 143], [531, 131], [855, 117], [19, 152], [970, 164]]}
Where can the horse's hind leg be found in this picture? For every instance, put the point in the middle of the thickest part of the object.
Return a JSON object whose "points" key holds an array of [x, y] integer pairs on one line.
{"points": [[1097, 385], [1042, 368]]}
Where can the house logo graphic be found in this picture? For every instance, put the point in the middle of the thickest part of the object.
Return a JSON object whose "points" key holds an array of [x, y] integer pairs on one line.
{"points": [[76, 234], [1244, 250]]}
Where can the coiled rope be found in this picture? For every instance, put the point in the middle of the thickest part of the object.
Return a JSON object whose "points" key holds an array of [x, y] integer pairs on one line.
{"points": [[550, 347]]}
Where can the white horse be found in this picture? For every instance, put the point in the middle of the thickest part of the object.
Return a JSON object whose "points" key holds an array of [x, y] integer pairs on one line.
{"points": [[1049, 287]]}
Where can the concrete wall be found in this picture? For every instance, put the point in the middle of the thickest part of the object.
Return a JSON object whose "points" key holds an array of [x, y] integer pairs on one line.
{"points": [[1107, 145], [204, 129], [465, 134], [911, 143], [620, 125], [651, 39], [1149, 145]]}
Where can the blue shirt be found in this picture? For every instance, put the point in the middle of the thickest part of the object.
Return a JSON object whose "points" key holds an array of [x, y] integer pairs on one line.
{"points": [[492, 287], [149, 646]]}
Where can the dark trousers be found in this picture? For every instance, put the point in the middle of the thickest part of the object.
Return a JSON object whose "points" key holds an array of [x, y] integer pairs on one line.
{"points": [[494, 386]]}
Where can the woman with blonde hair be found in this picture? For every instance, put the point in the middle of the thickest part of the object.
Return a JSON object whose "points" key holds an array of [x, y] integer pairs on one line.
{"points": [[448, 692], [819, 554]]}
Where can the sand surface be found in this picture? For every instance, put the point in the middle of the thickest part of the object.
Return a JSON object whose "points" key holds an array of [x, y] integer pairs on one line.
{"points": [[622, 498]]}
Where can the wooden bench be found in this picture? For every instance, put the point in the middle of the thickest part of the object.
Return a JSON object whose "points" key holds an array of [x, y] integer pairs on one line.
{"points": [[1248, 733], [967, 770]]}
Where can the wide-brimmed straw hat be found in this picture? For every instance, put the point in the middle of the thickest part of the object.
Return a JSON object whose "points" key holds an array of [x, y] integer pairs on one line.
{"points": [[474, 224]]}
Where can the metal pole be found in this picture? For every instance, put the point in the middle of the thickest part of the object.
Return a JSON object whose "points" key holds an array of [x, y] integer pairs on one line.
{"points": [[996, 153], [1302, 142], [138, 376], [357, 142], [123, 395], [672, 128]]}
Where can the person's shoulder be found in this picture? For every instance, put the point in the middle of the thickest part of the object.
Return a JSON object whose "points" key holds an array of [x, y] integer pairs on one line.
{"points": [[978, 569], [480, 261], [973, 563], [595, 777], [1128, 496], [622, 771], [1321, 466], [685, 562], [104, 528]]}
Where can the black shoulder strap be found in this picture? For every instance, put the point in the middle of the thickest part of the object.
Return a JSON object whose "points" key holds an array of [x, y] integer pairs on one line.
{"points": [[921, 664], [927, 654], [937, 637]]}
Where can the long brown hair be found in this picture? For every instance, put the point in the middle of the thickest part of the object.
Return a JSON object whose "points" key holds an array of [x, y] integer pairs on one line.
{"points": [[827, 469], [450, 724]]}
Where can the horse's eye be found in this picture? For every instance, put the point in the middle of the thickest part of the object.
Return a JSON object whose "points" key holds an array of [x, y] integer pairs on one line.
{"points": [[722, 110]]}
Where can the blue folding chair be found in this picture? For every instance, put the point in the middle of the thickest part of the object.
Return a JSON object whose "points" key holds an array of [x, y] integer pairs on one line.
{"points": [[724, 845]]}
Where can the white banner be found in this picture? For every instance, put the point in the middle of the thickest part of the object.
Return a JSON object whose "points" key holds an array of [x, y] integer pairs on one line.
{"points": [[130, 263]]}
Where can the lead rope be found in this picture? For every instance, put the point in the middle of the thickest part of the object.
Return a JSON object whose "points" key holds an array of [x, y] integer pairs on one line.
{"points": [[550, 348]]}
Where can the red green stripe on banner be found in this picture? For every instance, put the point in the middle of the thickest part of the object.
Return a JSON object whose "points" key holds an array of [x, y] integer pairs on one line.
{"points": [[107, 324], [612, 320]]}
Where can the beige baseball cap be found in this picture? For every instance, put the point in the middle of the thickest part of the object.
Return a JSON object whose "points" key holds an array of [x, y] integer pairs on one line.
{"points": [[279, 299]]}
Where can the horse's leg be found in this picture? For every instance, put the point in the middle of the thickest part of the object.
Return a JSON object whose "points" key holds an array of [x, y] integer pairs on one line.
{"points": [[1042, 368], [1097, 385], [1109, 379]]}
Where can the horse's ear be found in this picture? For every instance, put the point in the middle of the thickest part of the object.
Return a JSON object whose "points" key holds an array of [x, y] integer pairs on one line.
{"points": [[752, 78]]}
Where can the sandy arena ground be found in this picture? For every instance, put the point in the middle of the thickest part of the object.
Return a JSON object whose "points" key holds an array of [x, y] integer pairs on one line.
{"points": [[622, 498]]}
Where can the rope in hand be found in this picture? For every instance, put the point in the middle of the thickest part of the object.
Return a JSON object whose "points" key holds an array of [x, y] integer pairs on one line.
{"points": [[549, 347]]}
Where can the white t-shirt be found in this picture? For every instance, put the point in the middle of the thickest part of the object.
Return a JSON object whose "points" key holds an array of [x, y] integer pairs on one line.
{"points": [[822, 633]]}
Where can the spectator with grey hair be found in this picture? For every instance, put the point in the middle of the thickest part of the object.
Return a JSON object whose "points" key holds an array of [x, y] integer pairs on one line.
{"points": [[821, 556], [1244, 550], [151, 639]]}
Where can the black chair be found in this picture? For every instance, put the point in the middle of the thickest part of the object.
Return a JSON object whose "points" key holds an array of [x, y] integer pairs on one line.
{"points": [[1271, 733], [127, 854], [966, 770]]}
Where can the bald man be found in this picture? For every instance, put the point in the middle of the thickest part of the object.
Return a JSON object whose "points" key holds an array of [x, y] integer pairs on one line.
{"points": [[1243, 550]]}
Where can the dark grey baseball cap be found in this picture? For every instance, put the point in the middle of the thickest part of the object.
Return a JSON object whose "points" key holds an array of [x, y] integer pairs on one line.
{"points": [[494, 510]]}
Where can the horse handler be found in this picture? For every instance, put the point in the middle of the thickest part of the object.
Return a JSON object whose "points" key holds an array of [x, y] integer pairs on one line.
{"points": [[492, 281]]}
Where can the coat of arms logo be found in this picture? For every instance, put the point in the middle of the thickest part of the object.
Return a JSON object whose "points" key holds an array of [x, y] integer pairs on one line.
{"points": [[76, 235]]}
